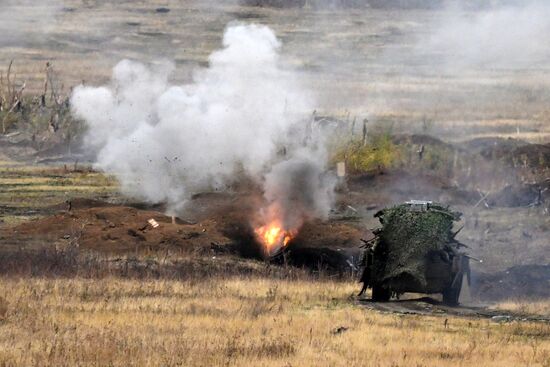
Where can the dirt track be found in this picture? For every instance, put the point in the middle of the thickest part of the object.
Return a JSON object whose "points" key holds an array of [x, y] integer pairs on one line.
{"points": [[427, 306]]}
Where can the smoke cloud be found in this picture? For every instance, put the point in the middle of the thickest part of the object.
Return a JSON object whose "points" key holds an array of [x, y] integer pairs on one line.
{"points": [[301, 188], [503, 36], [27, 21], [244, 114]]}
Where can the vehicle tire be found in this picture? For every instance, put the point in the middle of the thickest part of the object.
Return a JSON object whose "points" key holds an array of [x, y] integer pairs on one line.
{"points": [[380, 293], [451, 295]]}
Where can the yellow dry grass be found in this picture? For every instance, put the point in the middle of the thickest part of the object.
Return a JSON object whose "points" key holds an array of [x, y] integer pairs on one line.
{"points": [[540, 307], [50, 188], [240, 322], [27, 187]]}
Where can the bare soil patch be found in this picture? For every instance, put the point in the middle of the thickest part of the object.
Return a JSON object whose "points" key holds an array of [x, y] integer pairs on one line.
{"points": [[117, 229], [123, 230]]}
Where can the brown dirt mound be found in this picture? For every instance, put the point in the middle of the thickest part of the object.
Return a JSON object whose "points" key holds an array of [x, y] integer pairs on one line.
{"points": [[532, 155], [125, 230], [421, 139], [399, 185], [493, 148], [117, 229], [513, 152], [331, 247], [520, 282], [332, 234], [513, 196]]}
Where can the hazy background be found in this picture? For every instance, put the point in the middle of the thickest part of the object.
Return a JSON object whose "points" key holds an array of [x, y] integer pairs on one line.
{"points": [[463, 69]]}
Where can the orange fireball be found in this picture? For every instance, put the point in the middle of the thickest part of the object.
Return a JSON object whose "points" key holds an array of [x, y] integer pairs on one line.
{"points": [[273, 237]]}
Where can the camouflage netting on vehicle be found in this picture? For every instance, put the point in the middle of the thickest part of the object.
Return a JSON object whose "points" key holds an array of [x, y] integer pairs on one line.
{"points": [[405, 239]]}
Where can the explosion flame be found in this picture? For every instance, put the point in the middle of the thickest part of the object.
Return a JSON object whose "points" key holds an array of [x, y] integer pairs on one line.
{"points": [[273, 235]]}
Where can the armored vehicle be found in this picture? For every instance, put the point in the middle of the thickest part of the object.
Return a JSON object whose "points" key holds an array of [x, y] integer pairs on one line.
{"points": [[415, 250]]}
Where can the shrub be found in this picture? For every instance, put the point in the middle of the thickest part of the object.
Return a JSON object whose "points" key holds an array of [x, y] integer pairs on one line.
{"points": [[379, 152]]}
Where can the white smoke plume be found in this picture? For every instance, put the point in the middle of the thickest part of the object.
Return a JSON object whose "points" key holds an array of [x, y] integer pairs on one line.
{"points": [[165, 143], [508, 36], [24, 22], [299, 186]]}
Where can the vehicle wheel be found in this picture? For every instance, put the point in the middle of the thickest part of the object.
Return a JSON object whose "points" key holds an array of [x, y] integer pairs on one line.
{"points": [[380, 293], [451, 295]]}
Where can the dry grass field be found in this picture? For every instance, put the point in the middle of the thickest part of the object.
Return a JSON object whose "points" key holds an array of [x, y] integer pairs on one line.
{"points": [[27, 191], [240, 322], [541, 307]]}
